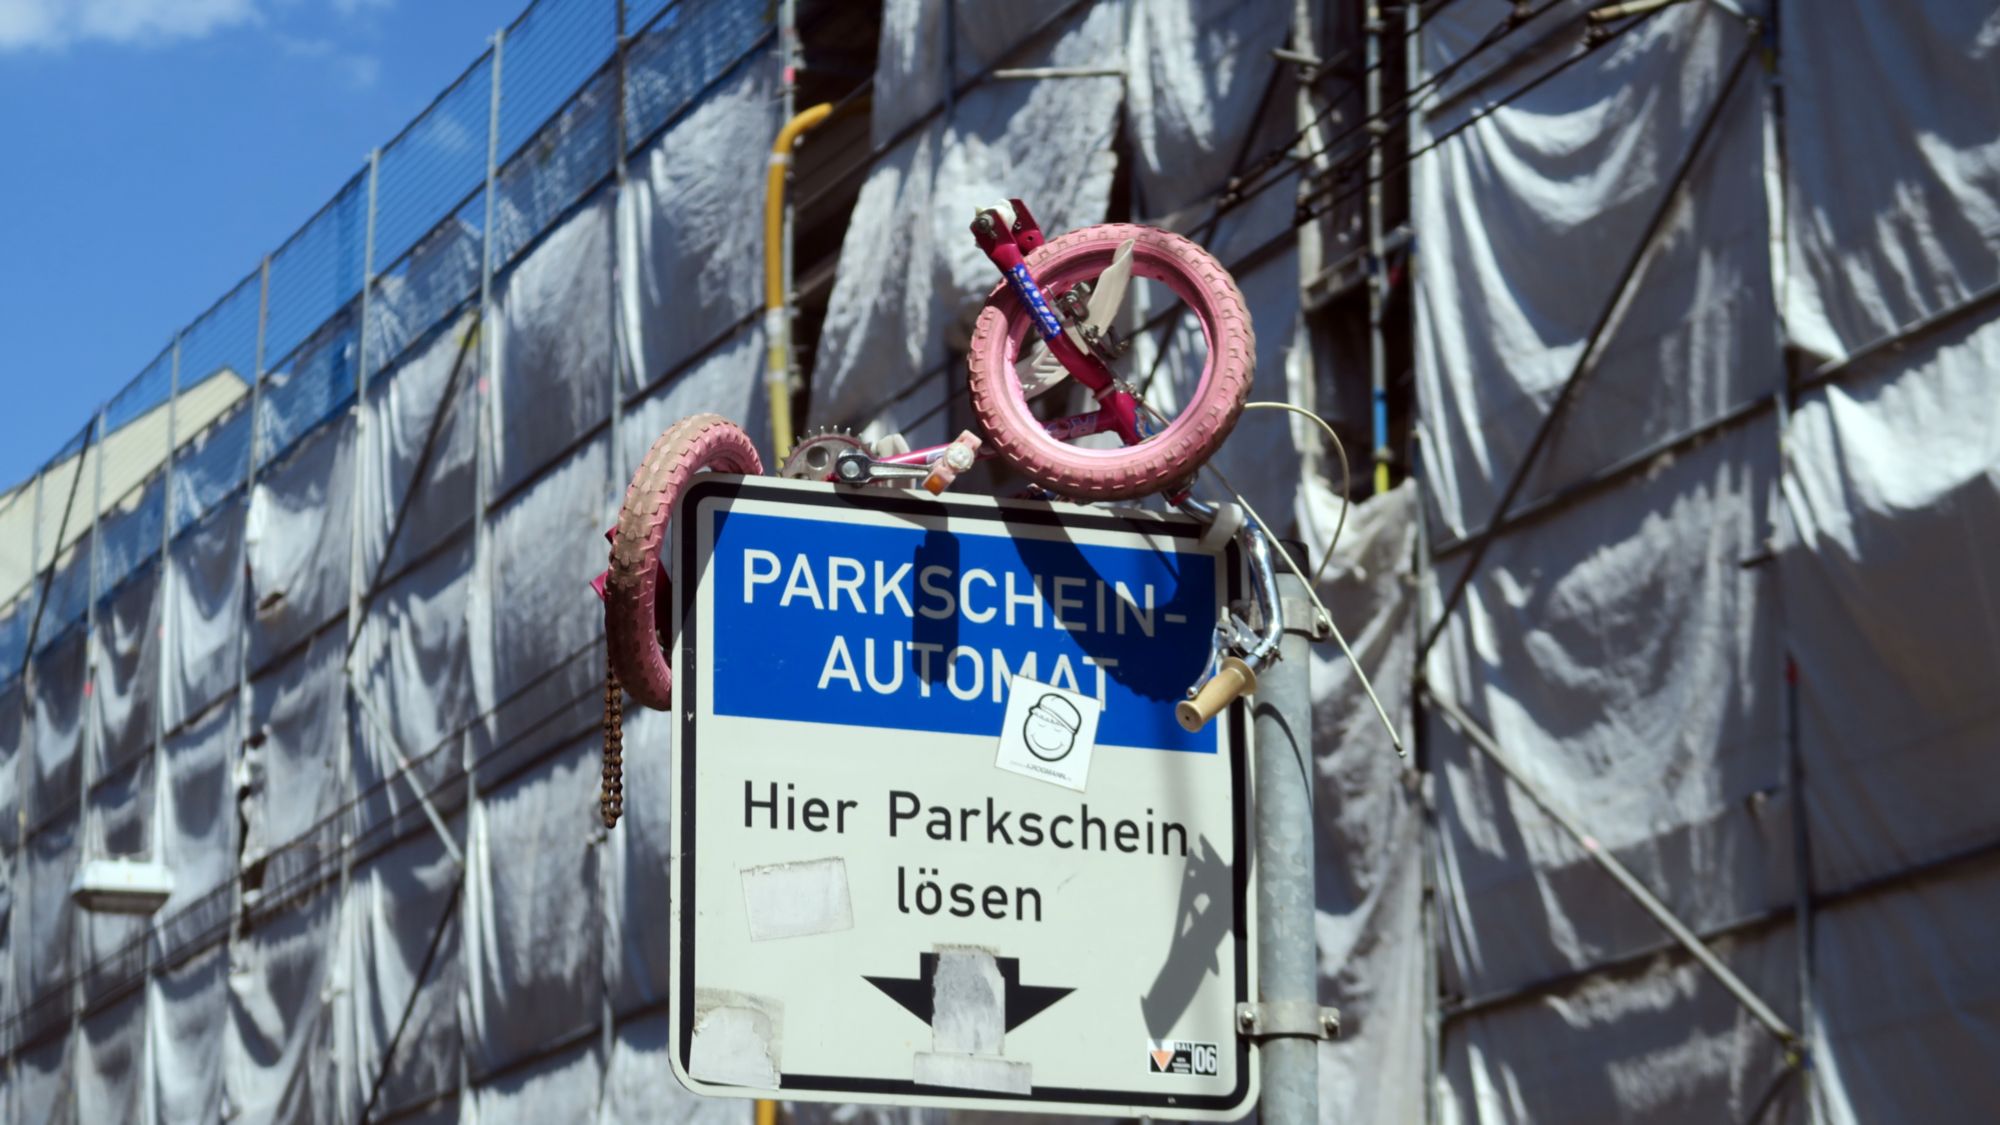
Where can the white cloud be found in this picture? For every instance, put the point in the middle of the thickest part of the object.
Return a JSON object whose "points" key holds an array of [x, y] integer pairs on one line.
{"points": [[26, 24], [359, 70]]}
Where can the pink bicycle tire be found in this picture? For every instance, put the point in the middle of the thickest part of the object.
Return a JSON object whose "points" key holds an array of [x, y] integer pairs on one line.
{"points": [[1166, 459], [704, 442]]}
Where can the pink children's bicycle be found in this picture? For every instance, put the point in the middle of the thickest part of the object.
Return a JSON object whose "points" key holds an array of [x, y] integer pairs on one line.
{"points": [[1049, 321]]}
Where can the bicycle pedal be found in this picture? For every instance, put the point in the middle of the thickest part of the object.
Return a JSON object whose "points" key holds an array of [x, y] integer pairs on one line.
{"points": [[956, 458]]}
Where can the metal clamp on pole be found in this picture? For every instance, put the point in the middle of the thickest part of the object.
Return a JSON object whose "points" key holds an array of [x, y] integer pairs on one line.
{"points": [[1286, 1019]]}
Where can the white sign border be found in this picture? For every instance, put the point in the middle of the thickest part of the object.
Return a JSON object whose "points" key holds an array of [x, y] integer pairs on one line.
{"points": [[713, 488]]}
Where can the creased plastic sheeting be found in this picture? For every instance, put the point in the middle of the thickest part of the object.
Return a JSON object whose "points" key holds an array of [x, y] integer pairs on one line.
{"points": [[1372, 952], [43, 958], [640, 1086], [128, 533], [57, 729], [278, 1056], [1892, 153], [911, 280], [126, 687], [185, 1029], [917, 64], [204, 614], [1662, 1043], [14, 871], [289, 766], [109, 1082], [1198, 69], [420, 417], [197, 817], [638, 856], [728, 381], [534, 945], [413, 684], [556, 1089], [400, 898], [1527, 219], [14, 752], [555, 345], [1623, 658], [120, 824], [42, 1083], [1910, 1014], [548, 633], [1894, 607], [691, 252], [301, 521], [441, 273]]}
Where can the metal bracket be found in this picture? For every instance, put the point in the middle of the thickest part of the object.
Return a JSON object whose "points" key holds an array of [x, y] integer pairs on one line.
{"points": [[1302, 618], [1286, 1020]]}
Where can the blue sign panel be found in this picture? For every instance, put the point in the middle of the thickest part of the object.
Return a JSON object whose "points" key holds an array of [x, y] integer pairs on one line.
{"points": [[856, 624]]}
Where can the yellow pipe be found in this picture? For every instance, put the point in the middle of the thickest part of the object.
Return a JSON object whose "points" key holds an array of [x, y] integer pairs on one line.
{"points": [[777, 321], [767, 1112]]}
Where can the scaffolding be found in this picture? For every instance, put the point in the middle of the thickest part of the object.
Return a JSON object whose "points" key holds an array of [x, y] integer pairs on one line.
{"points": [[299, 611]]}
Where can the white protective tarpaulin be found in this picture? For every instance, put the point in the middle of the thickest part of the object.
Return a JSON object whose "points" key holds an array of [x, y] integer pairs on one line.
{"points": [[911, 279], [1627, 642], [1630, 649], [406, 916], [126, 687]]}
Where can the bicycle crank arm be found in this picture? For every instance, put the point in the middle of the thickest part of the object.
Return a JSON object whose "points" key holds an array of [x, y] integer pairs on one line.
{"points": [[937, 472]]}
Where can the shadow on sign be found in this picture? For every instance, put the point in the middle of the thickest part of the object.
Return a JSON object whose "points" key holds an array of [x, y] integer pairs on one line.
{"points": [[1199, 924]]}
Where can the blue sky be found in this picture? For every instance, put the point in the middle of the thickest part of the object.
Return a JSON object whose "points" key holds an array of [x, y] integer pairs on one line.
{"points": [[156, 149]]}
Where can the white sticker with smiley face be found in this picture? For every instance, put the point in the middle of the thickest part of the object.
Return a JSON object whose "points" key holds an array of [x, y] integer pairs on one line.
{"points": [[1048, 733]]}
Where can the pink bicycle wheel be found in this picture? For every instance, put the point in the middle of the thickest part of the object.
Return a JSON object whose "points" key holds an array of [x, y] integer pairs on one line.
{"points": [[632, 589], [1167, 458]]}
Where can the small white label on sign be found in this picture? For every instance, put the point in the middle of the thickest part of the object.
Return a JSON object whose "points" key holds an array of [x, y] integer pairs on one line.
{"points": [[1048, 733]]}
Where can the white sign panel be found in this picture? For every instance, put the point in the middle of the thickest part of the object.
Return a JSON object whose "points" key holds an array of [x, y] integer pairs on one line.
{"points": [[940, 840]]}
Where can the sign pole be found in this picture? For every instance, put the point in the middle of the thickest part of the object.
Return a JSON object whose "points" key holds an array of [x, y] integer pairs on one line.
{"points": [[1286, 947]]}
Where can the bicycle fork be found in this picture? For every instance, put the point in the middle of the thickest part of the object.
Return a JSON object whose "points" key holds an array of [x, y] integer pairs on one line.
{"points": [[1007, 240]]}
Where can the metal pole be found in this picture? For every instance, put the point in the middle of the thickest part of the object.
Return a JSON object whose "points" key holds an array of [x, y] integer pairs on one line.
{"points": [[148, 1062], [606, 1011], [1378, 276], [23, 776], [1433, 951], [92, 738], [1287, 952], [621, 347], [348, 1020], [90, 742], [248, 601], [482, 552]]}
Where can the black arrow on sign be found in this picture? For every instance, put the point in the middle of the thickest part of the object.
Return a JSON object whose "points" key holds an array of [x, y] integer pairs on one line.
{"points": [[1023, 1001]]}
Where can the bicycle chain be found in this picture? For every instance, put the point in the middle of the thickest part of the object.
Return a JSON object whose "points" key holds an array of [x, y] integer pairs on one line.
{"points": [[611, 794]]}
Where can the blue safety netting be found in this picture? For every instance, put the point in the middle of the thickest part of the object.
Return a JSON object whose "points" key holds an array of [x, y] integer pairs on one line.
{"points": [[306, 388], [318, 270], [551, 51], [687, 48], [554, 169], [434, 164]]}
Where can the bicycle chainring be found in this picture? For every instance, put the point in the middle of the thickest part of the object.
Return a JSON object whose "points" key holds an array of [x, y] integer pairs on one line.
{"points": [[814, 456]]}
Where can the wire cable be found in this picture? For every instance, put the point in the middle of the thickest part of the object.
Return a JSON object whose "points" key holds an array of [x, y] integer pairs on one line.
{"points": [[1346, 476], [1325, 615]]}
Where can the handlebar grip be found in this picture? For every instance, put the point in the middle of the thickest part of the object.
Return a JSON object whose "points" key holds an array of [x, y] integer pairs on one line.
{"points": [[1235, 678]]}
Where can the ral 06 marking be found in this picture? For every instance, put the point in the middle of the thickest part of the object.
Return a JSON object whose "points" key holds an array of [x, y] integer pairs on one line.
{"points": [[1182, 1056]]}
